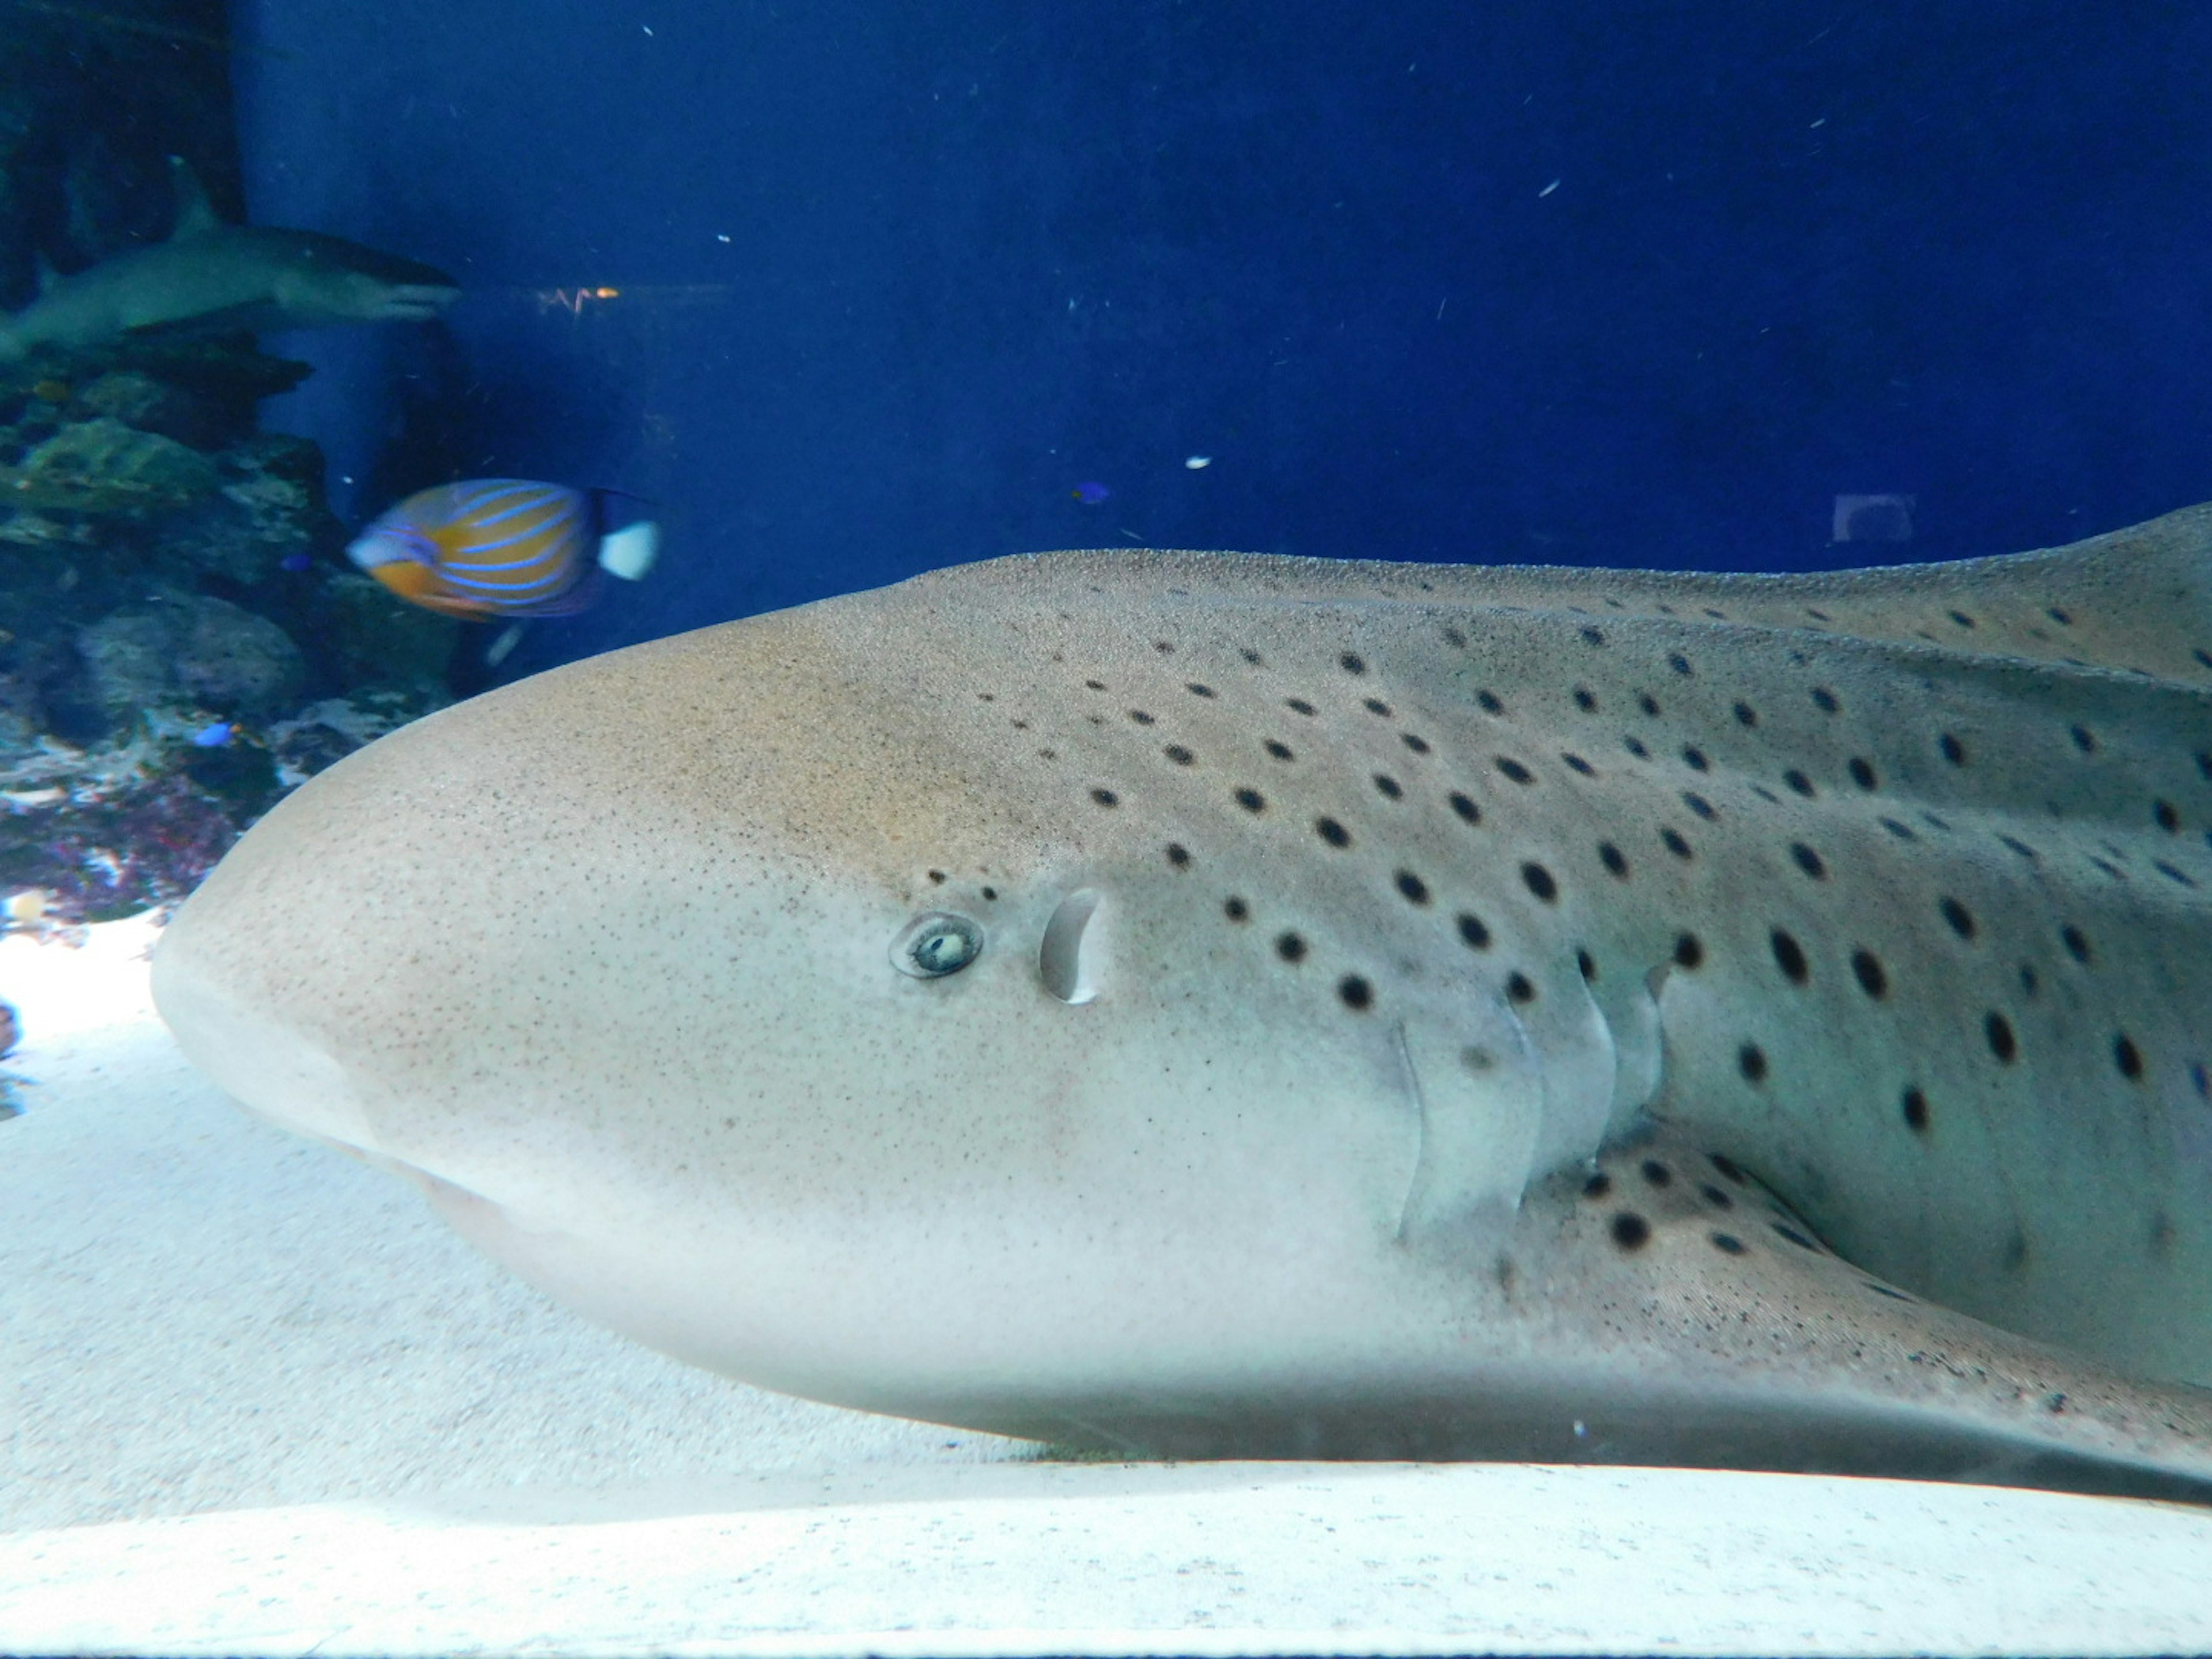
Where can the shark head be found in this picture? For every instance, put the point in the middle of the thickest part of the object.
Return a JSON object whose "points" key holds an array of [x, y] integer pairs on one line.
{"points": [[1232, 1004]]}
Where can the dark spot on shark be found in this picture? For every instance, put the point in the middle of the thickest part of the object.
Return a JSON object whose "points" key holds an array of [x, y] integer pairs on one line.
{"points": [[1807, 861], [1694, 758], [1574, 762], [1105, 798], [1953, 751], [2127, 1057], [1140, 717], [2167, 817], [1236, 909], [1868, 970], [1746, 714], [1825, 700], [1375, 706], [1251, 800], [1959, 918], [1688, 951], [1513, 770], [1727, 1243], [1178, 754], [1799, 782], [1716, 1196], [1178, 856], [1332, 832], [1465, 807], [2084, 739], [1416, 891], [1281, 751], [1657, 1174], [1672, 840], [1789, 957], [1615, 861], [1787, 1231], [2076, 942], [1355, 992], [1751, 1061], [1729, 1168], [1352, 663], [1630, 1230], [1471, 932], [1291, 947], [1300, 706], [1519, 987], [1539, 881], [1598, 1185], [2002, 1043], [1390, 789], [1861, 771], [1913, 1106], [1413, 741]]}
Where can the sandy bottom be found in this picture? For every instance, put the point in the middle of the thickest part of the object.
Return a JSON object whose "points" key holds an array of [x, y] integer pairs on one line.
{"points": [[256, 1400]]}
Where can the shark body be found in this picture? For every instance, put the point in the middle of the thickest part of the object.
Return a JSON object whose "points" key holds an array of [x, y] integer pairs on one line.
{"points": [[212, 277], [1225, 1005]]}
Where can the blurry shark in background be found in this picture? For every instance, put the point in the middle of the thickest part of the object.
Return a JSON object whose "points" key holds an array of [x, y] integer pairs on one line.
{"points": [[1218, 1004], [211, 277]]}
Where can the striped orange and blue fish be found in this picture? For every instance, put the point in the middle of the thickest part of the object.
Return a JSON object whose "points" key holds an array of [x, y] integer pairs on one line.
{"points": [[493, 548]]}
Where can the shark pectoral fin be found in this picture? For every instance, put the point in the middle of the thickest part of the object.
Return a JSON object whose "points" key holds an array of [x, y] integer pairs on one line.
{"points": [[1476, 1083], [1736, 1337], [250, 317]]}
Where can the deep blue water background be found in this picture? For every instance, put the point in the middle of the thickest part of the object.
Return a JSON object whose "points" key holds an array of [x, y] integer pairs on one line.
{"points": [[895, 278]]}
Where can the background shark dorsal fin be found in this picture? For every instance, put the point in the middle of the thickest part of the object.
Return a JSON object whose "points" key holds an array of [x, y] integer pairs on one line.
{"points": [[195, 216]]}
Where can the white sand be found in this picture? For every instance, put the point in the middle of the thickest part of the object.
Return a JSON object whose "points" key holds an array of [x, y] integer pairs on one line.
{"points": [[257, 1401]]}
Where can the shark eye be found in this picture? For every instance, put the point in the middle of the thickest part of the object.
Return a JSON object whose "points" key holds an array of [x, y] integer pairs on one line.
{"points": [[936, 943]]}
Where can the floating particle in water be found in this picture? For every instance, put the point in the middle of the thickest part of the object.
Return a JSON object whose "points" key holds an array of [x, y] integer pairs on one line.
{"points": [[1090, 492], [1198, 463]]}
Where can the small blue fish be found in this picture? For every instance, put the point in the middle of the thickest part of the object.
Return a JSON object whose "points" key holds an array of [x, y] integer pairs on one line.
{"points": [[502, 547], [1091, 493], [215, 736]]}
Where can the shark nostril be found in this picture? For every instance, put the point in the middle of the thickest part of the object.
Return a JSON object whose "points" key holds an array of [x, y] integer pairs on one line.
{"points": [[1069, 969]]}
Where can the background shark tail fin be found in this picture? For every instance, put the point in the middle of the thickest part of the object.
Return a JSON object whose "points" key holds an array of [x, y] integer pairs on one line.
{"points": [[631, 551]]}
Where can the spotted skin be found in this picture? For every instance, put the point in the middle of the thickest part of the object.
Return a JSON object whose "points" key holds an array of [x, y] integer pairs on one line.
{"points": [[1337, 917]]}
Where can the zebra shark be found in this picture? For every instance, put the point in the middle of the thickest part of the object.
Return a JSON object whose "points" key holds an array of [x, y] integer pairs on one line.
{"points": [[1212, 1004]]}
